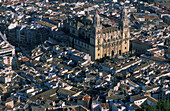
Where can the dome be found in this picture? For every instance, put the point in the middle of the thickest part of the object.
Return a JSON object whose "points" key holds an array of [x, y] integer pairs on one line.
{"points": [[88, 18]]}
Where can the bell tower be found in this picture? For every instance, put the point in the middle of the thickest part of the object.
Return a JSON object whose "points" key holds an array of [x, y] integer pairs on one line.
{"points": [[125, 32], [95, 38], [96, 24], [96, 20], [124, 24]]}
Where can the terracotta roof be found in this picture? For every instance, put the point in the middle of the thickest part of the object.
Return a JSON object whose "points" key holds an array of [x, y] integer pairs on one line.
{"points": [[106, 105], [86, 97], [151, 17], [26, 59]]}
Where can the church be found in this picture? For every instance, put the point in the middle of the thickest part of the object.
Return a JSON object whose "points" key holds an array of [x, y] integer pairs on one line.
{"points": [[90, 35]]}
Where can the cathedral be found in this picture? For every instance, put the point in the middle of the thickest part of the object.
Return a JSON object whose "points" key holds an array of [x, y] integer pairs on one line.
{"points": [[89, 35]]}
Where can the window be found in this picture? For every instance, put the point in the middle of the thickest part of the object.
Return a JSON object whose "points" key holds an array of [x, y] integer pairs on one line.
{"points": [[98, 48], [125, 41], [112, 44], [98, 54], [112, 53], [98, 41], [111, 37], [119, 52]]}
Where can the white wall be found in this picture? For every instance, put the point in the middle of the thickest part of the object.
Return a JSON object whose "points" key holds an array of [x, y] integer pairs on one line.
{"points": [[140, 102]]}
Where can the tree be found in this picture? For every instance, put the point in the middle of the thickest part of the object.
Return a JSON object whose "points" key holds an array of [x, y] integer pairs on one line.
{"points": [[162, 105]]}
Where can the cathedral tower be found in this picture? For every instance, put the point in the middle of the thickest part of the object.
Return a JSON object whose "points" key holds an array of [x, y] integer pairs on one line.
{"points": [[96, 23], [125, 32]]}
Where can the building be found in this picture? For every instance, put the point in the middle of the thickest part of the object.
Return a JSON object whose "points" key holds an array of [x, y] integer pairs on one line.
{"points": [[7, 53], [6, 49], [25, 36], [90, 35]]}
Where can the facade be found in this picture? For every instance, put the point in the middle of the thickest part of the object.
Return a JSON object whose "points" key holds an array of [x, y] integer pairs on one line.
{"points": [[91, 36], [26, 36], [6, 49], [139, 47]]}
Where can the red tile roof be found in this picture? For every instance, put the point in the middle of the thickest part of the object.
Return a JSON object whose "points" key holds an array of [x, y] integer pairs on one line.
{"points": [[106, 105], [86, 97]]}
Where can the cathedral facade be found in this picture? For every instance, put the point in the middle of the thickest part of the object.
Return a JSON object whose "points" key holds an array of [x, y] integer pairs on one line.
{"points": [[89, 35]]}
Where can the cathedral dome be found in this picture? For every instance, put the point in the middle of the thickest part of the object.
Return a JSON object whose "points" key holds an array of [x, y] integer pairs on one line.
{"points": [[88, 18]]}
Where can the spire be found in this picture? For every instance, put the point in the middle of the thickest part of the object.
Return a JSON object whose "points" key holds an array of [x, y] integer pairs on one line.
{"points": [[125, 12], [96, 19], [124, 24], [124, 19]]}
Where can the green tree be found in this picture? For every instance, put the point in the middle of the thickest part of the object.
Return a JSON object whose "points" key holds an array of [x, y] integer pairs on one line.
{"points": [[162, 105]]}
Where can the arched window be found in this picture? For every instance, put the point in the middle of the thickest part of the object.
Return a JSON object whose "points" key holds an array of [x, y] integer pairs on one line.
{"points": [[112, 53], [125, 41], [98, 32], [98, 48], [120, 52]]}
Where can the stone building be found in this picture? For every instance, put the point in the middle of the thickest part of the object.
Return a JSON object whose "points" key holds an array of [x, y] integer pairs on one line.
{"points": [[25, 36], [6, 49], [93, 37]]}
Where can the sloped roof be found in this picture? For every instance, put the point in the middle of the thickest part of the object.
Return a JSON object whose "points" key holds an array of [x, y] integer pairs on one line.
{"points": [[66, 92], [137, 97]]}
